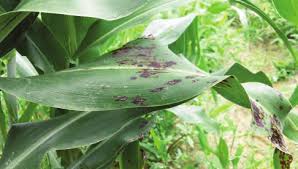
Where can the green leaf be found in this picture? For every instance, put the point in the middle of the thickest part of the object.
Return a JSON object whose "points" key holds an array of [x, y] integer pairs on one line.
{"points": [[291, 126], [144, 65], [288, 9], [218, 7], [195, 115], [294, 97], [102, 30], [189, 43], [68, 30], [43, 50], [103, 9], [282, 160], [132, 157], [22, 151], [24, 66], [12, 29], [223, 153], [104, 153], [168, 31]]}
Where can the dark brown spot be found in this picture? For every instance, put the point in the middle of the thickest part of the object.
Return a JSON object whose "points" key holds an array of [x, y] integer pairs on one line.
{"points": [[121, 52], [120, 98], [276, 136], [146, 73], [281, 107], [155, 64], [133, 78], [173, 82], [159, 89], [169, 64], [195, 80], [191, 77], [138, 100]]}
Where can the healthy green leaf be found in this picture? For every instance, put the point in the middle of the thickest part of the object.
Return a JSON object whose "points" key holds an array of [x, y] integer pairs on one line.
{"points": [[105, 152], [28, 142], [102, 9], [288, 9], [195, 115], [43, 50]]}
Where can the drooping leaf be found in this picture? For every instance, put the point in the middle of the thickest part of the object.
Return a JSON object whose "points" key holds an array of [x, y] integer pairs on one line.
{"points": [[168, 31], [144, 73]]}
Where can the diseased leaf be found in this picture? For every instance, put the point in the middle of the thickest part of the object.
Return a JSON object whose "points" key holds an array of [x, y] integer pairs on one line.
{"points": [[168, 31], [144, 73], [281, 160], [102, 30]]}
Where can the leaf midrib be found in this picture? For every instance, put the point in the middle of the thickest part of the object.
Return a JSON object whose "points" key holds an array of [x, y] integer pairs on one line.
{"points": [[15, 162]]}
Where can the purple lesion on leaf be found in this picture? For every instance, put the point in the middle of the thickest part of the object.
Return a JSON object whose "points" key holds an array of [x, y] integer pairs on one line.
{"points": [[138, 100], [174, 82], [146, 73], [285, 159], [122, 51], [158, 89], [258, 114], [169, 64], [276, 135], [191, 76], [120, 98], [155, 64]]}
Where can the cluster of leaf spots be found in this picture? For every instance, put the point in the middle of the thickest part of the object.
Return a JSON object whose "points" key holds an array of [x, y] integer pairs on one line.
{"points": [[137, 100], [285, 160], [276, 136], [270, 124]]}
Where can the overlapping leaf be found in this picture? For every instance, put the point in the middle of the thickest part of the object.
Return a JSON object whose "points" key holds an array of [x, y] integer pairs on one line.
{"points": [[27, 143], [105, 153], [288, 9]]}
